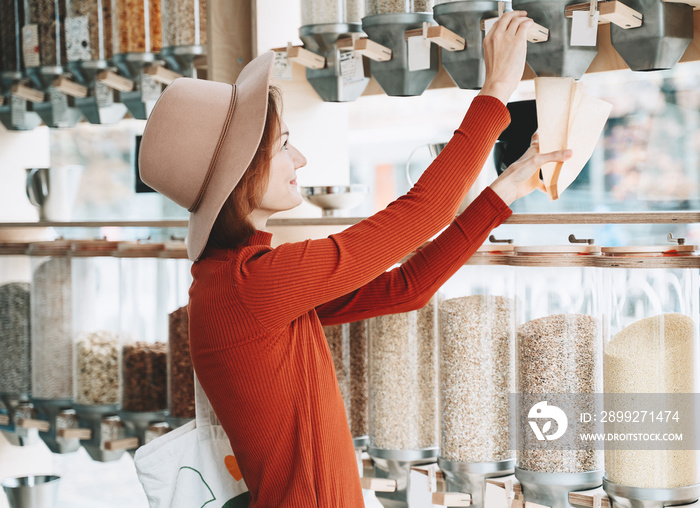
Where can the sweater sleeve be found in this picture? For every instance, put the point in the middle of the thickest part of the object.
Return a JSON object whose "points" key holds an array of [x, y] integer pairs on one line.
{"points": [[413, 283], [281, 284]]}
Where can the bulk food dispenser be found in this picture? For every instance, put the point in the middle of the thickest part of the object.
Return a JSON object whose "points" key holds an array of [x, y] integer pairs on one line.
{"points": [[184, 34], [651, 366], [89, 49], [348, 346], [329, 29], [143, 337], [558, 370], [476, 329], [14, 111], [15, 338], [137, 32], [178, 279], [97, 355], [412, 62], [44, 53], [403, 401], [52, 344]]}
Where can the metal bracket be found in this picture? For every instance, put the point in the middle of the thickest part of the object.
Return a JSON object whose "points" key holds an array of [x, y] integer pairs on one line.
{"points": [[493, 239], [573, 239], [677, 241]]}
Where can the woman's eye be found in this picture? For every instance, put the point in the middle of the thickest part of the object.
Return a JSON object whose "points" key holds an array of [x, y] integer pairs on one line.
{"points": [[285, 144]]}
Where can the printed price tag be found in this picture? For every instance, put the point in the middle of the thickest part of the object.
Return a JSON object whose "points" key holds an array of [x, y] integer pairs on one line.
{"points": [[150, 88], [584, 28], [282, 67], [59, 105], [418, 54], [351, 67], [78, 39], [30, 45], [18, 111], [104, 95]]}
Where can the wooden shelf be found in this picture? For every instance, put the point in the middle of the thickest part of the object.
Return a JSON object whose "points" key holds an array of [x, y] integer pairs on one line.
{"points": [[518, 218]]}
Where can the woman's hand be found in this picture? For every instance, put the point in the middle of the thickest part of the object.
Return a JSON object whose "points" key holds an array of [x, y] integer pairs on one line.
{"points": [[523, 176], [505, 47]]}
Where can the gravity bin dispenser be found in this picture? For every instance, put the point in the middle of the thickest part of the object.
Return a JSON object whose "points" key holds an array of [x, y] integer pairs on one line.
{"points": [[476, 330], [184, 36]]}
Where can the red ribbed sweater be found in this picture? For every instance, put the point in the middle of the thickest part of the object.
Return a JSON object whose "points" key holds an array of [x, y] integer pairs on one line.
{"points": [[256, 314]]}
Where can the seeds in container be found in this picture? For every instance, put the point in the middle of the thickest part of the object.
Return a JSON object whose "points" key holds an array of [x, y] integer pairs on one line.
{"points": [[184, 23], [15, 356], [338, 343], [97, 368], [180, 370], [358, 379]]}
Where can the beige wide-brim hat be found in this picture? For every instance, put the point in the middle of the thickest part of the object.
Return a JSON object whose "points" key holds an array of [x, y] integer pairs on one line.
{"points": [[200, 139]]}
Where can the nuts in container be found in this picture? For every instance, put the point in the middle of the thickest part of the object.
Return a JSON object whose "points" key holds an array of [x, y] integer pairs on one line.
{"points": [[144, 376], [184, 23], [137, 26]]}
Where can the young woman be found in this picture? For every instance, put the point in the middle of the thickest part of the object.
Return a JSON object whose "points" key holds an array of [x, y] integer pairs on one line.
{"points": [[256, 313]]}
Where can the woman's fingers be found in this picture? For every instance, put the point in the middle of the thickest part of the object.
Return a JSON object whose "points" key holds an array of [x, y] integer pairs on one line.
{"points": [[519, 27], [508, 17], [557, 156]]}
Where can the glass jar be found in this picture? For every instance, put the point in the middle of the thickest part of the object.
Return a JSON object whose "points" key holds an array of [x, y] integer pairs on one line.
{"points": [[178, 280], [184, 23], [88, 30], [398, 6], [142, 334], [403, 380], [651, 351], [558, 349], [477, 361], [317, 12], [137, 26], [95, 284], [52, 333], [15, 360], [43, 41], [11, 18]]}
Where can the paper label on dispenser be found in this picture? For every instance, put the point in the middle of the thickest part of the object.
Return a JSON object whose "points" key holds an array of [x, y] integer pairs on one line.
{"points": [[282, 67], [78, 39], [418, 54], [104, 95], [584, 28], [18, 111], [351, 67], [30, 45], [150, 88], [59, 106]]}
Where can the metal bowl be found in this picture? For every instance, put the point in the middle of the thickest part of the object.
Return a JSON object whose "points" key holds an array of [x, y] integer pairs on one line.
{"points": [[32, 491], [333, 198]]}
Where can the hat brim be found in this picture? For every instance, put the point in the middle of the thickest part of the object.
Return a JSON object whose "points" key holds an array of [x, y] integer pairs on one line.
{"points": [[239, 148]]}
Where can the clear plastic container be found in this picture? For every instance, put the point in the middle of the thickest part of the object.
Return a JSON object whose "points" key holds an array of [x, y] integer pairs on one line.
{"points": [[398, 6], [354, 11], [137, 26], [142, 330], [43, 41], [97, 359], [184, 23], [52, 325], [558, 346], [11, 18], [15, 339], [403, 380], [88, 30], [338, 337], [651, 347], [359, 388], [317, 12], [477, 361], [178, 280]]}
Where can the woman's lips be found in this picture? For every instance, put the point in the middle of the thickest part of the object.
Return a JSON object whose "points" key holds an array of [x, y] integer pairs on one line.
{"points": [[293, 182]]}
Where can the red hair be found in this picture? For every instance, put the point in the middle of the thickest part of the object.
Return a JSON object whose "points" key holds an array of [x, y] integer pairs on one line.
{"points": [[232, 228]]}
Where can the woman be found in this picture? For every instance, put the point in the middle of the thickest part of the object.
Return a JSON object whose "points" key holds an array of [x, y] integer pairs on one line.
{"points": [[256, 313]]}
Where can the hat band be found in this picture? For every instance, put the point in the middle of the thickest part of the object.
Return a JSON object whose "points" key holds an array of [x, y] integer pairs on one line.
{"points": [[215, 157]]}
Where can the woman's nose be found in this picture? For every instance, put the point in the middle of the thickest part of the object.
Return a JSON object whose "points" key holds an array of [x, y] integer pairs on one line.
{"points": [[299, 159]]}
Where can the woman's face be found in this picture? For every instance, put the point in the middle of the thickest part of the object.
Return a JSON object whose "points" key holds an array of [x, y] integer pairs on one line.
{"points": [[282, 192]]}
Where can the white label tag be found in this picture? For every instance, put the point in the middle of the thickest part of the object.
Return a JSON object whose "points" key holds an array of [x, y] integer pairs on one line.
{"points": [[584, 28], [18, 110], [30, 45], [282, 67], [418, 54], [59, 106], [351, 67], [488, 24], [104, 95], [150, 89], [78, 39]]}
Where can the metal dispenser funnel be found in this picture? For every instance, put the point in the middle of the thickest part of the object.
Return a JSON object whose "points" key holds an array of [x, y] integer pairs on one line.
{"points": [[56, 110], [12, 408], [396, 465], [470, 478], [394, 75], [14, 111], [182, 59], [106, 438], [555, 57], [329, 82], [553, 489], [138, 423], [662, 39], [631, 497], [99, 106], [466, 67], [60, 416], [146, 91]]}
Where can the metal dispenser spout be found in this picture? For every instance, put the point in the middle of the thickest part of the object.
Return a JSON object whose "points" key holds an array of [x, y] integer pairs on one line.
{"points": [[57, 109], [184, 59], [98, 106], [13, 409], [141, 99], [394, 75], [470, 478], [107, 438], [632, 497], [339, 80], [553, 489], [138, 423], [14, 111], [59, 416], [396, 465]]}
